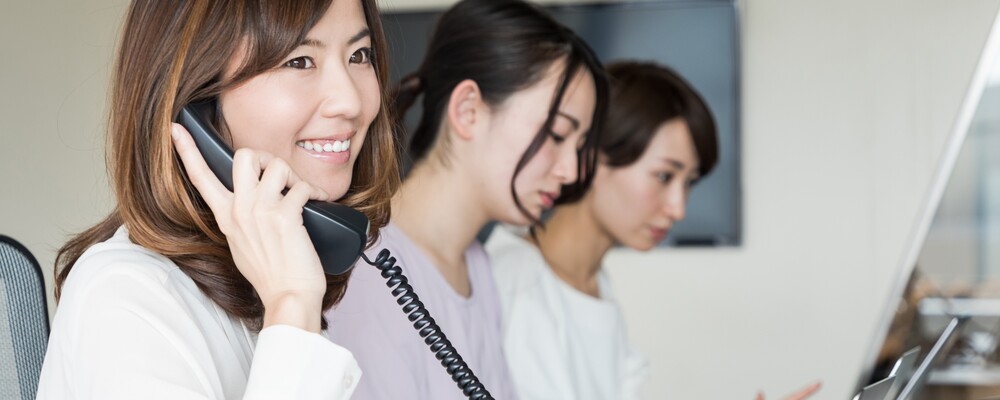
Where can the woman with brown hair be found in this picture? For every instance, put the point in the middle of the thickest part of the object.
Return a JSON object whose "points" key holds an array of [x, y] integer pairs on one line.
{"points": [[189, 290]]}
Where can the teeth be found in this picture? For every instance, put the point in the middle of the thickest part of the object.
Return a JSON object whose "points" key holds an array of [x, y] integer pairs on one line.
{"points": [[336, 146]]}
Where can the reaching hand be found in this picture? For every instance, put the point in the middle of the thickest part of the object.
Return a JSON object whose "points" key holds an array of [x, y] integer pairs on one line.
{"points": [[800, 395]]}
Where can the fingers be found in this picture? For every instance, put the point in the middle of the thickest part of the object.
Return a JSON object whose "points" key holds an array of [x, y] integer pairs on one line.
{"points": [[247, 165], [215, 194], [760, 396], [291, 179], [296, 198], [805, 392], [278, 175]]}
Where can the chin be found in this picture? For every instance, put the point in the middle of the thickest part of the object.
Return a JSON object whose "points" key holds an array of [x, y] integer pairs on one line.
{"points": [[337, 189], [516, 217], [641, 244]]}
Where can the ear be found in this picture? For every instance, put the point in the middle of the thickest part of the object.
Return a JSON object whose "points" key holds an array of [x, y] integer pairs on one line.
{"points": [[465, 109]]}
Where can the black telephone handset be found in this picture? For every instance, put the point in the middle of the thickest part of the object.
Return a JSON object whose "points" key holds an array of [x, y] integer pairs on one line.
{"points": [[339, 234]]}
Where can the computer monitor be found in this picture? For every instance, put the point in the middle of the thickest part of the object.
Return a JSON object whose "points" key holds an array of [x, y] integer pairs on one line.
{"points": [[979, 110], [902, 370], [876, 391], [887, 388]]}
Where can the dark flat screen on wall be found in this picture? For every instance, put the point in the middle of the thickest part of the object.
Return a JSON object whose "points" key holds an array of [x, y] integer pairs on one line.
{"points": [[698, 39]]}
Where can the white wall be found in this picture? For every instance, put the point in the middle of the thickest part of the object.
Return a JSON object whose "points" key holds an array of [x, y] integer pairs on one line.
{"points": [[53, 73], [847, 104]]}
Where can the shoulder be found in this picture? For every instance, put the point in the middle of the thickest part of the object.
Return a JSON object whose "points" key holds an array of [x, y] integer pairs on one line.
{"points": [[118, 259], [368, 302], [518, 266], [118, 276], [505, 241], [391, 238]]}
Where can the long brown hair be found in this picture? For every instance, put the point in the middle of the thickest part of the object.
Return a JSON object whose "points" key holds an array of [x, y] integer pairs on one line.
{"points": [[174, 53]]}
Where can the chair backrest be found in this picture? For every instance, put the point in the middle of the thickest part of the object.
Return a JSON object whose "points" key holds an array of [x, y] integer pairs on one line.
{"points": [[24, 321]]}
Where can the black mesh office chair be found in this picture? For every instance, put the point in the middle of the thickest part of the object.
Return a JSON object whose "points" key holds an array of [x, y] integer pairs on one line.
{"points": [[24, 321]]}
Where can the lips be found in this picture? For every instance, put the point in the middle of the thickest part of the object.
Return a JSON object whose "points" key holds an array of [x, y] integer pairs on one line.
{"points": [[659, 233], [548, 199]]}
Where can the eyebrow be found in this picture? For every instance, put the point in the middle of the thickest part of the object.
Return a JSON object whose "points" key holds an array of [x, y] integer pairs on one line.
{"points": [[354, 39], [573, 121], [673, 162], [363, 33]]}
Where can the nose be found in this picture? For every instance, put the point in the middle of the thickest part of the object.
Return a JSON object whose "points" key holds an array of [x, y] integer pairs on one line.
{"points": [[675, 203], [340, 95], [566, 166]]}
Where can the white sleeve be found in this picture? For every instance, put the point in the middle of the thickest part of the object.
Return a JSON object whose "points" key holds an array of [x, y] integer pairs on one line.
{"points": [[295, 364], [122, 333]]}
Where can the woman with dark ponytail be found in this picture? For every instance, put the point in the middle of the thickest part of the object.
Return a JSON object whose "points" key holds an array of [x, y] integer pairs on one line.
{"points": [[510, 101]]}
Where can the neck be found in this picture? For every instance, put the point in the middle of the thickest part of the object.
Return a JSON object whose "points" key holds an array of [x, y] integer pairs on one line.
{"points": [[436, 209], [574, 244]]}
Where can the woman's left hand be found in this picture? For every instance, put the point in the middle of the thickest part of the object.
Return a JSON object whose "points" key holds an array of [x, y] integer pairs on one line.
{"points": [[802, 394]]}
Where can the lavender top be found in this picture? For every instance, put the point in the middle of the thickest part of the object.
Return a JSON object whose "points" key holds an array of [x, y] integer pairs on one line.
{"points": [[396, 362]]}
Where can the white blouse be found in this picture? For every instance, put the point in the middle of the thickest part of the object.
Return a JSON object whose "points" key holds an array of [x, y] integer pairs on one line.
{"points": [[131, 325], [560, 342]]}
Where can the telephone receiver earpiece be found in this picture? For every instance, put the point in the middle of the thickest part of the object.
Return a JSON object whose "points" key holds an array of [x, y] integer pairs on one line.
{"points": [[339, 233]]}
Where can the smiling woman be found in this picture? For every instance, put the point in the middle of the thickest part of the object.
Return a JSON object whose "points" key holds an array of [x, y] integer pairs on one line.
{"points": [[188, 290]]}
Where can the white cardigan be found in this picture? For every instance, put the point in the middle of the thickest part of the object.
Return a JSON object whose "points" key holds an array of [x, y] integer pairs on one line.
{"points": [[131, 325], [561, 343]]}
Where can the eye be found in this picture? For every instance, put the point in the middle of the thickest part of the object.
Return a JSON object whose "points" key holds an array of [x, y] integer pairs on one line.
{"points": [[362, 56], [665, 177], [556, 138], [692, 181], [300, 63]]}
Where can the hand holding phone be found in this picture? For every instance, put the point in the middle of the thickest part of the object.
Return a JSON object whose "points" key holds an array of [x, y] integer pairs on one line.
{"points": [[264, 229]]}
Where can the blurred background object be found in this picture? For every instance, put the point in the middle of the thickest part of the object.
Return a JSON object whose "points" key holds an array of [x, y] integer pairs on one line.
{"points": [[958, 273]]}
